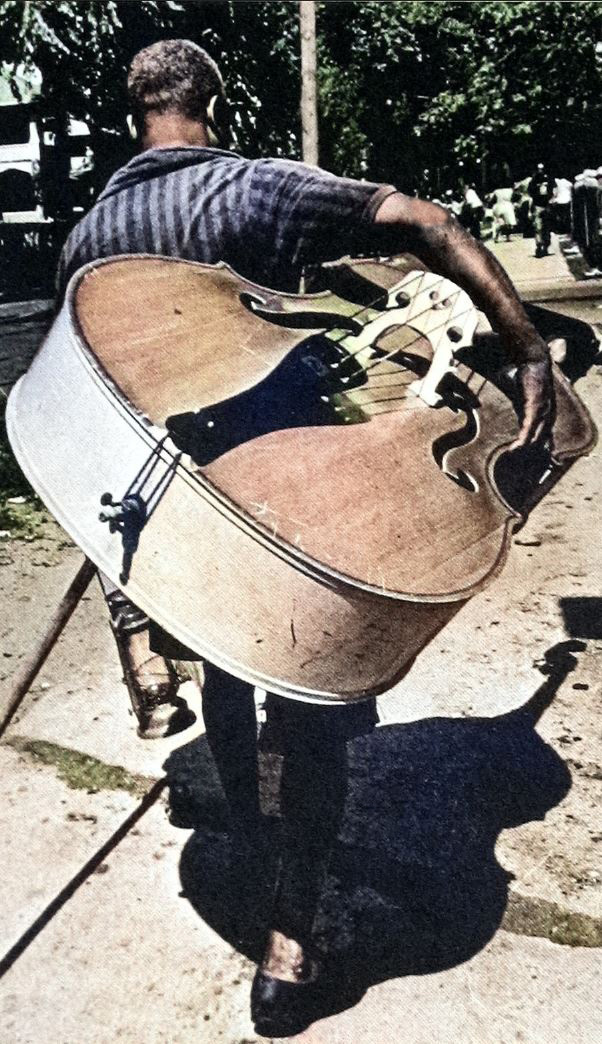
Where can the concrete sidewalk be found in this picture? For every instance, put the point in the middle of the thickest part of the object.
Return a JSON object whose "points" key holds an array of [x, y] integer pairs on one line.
{"points": [[466, 883], [483, 833], [551, 278]]}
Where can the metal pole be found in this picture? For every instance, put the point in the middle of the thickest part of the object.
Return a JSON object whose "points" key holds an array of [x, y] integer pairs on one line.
{"points": [[32, 664], [309, 105]]}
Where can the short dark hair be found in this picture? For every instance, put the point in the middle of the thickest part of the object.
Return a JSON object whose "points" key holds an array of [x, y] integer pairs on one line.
{"points": [[175, 75]]}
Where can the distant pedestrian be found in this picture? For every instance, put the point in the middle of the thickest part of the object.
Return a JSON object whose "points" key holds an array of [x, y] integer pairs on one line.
{"points": [[452, 201], [588, 212], [473, 211], [522, 205], [424, 188], [541, 188], [504, 215], [561, 205]]}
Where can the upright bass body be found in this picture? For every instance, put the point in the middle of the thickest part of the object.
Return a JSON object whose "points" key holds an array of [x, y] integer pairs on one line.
{"points": [[276, 480]]}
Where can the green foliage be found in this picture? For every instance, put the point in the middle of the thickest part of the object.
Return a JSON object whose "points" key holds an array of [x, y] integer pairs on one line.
{"points": [[12, 483], [369, 80], [22, 521], [83, 49], [491, 85], [402, 86], [515, 81], [21, 513]]}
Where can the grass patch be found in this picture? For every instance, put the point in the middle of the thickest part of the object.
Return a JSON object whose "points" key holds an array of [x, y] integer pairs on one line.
{"points": [[23, 519], [543, 919], [80, 771]]}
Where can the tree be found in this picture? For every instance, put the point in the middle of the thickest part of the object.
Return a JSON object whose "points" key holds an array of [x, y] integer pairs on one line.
{"points": [[490, 85], [518, 83], [83, 49], [309, 112], [402, 86]]}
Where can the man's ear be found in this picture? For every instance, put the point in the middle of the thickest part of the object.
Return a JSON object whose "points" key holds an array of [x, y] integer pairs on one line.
{"points": [[132, 128], [218, 121]]}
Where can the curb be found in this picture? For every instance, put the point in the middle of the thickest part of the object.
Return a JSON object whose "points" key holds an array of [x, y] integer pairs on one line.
{"points": [[555, 291]]}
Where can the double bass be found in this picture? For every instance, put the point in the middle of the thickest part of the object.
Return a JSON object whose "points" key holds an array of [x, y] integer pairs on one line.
{"points": [[301, 488]]}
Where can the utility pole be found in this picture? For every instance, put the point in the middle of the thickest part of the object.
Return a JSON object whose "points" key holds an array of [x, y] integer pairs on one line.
{"points": [[309, 106]]}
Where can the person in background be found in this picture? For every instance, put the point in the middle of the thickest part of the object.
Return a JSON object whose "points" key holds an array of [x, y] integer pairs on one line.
{"points": [[522, 207], [586, 211], [541, 188], [561, 206], [578, 219], [473, 211], [424, 188], [452, 201], [593, 216], [504, 216]]}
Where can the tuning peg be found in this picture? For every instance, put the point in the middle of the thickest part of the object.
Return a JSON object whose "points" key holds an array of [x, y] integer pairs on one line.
{"points": [[126, 511]]}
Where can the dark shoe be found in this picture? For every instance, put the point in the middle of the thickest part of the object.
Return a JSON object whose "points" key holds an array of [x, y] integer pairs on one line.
{"points": [[151, 680], [282, 1009]]}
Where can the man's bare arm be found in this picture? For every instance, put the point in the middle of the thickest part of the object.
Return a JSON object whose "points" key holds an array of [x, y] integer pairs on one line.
{"points": [[437, 239]]}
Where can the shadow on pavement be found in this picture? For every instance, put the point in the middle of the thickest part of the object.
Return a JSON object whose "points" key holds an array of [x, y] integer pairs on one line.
{"points": [[582, 345], [582, 616], [414, 884]]}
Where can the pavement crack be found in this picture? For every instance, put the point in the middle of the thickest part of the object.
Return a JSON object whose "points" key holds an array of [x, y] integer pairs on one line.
{"points": [[93, 865]]}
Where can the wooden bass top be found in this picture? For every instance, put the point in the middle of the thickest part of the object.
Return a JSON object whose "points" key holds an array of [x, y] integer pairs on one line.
{"points": [[303, 415]]}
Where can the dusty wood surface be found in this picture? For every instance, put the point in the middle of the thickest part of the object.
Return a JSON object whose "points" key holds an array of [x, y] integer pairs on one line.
{"points": [[212, 574], [375, 502]]}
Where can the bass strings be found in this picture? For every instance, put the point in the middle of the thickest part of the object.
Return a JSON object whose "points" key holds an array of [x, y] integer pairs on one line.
{"points": [[350, 356]]}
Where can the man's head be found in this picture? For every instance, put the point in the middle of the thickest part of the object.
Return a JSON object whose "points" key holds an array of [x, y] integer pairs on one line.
{"points": [[174, 83]]}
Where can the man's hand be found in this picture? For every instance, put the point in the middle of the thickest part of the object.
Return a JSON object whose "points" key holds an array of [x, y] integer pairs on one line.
{"points": [[537, 388], [440, 243]]}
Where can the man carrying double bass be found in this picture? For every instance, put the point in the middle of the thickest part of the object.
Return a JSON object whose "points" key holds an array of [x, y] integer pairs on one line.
{"points": [[185, 195]]}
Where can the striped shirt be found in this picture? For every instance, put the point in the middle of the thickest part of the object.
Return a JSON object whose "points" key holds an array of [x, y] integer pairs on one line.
{"points": [[266, 218]]}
